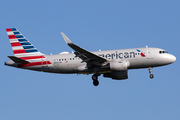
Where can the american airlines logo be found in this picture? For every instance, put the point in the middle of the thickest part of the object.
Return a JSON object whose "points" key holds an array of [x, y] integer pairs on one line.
{"points": [[142, 54], [117, 55]]}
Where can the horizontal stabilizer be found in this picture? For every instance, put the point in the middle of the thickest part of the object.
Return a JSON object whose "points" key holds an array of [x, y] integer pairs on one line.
{"points": [[18, 60]]}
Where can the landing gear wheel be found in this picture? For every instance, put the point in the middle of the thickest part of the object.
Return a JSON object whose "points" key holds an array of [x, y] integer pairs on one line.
{"points": [[151, 76], [94, 77], [95, 82]]}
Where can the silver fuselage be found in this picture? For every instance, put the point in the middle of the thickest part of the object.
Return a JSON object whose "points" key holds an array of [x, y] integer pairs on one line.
{"points": [[68, 63]]}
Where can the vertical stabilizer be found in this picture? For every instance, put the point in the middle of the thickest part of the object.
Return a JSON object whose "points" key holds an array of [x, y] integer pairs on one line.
{"points": [[20, 45], [25, 54]]}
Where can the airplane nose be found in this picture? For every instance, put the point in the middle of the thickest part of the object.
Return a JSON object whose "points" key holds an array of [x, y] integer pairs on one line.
{"points": [[172, 58]]}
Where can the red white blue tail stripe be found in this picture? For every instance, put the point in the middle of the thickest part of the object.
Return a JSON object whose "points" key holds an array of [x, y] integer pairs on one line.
{"points": [[23, 49], [20, 44]]}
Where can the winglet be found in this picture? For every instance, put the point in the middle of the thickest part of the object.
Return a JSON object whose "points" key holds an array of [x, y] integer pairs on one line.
{"points": [[66, 38]]}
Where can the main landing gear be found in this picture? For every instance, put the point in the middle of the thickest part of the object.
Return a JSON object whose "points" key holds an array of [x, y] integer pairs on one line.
{"points": [[95, 79], [151, 75]]}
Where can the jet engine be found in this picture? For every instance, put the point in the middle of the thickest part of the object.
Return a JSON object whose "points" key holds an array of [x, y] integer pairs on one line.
{"points": [[119, 75], [118, 70], [119, 65]]}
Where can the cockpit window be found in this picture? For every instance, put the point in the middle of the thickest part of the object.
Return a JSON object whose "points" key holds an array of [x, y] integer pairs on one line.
{"points": [[161, 52]]}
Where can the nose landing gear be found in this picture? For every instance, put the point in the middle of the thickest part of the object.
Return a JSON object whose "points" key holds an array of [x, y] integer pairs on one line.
{"points": [[95, 80], [151, 75]]}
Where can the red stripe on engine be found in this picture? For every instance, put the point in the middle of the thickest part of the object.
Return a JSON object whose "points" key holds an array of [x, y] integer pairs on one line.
{"points": [[16, 44], [12, 37], [34, 64], [31, 57], [8, 30], [19, 51]]}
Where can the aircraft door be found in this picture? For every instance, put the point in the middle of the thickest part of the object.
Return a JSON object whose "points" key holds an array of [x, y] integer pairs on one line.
{"points": [[149, 53], [44, 64]]}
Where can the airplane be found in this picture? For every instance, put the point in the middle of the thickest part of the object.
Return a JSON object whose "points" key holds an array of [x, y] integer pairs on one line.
{"points": [[110, 63]]}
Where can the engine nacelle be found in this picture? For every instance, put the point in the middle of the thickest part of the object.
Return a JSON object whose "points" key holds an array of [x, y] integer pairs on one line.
{"points": [[119, 65], [121, 75]]}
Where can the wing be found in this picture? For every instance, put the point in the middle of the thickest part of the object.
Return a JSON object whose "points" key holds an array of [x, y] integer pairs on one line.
{"points": [[85, 55]]}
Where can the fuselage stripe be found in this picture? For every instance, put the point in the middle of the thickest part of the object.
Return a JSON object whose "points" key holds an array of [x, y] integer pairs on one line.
{"points": [[31, 57], [34, 64]]}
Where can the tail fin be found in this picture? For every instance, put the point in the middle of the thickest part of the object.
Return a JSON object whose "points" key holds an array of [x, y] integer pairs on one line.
{"points": [[20, 45]]}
